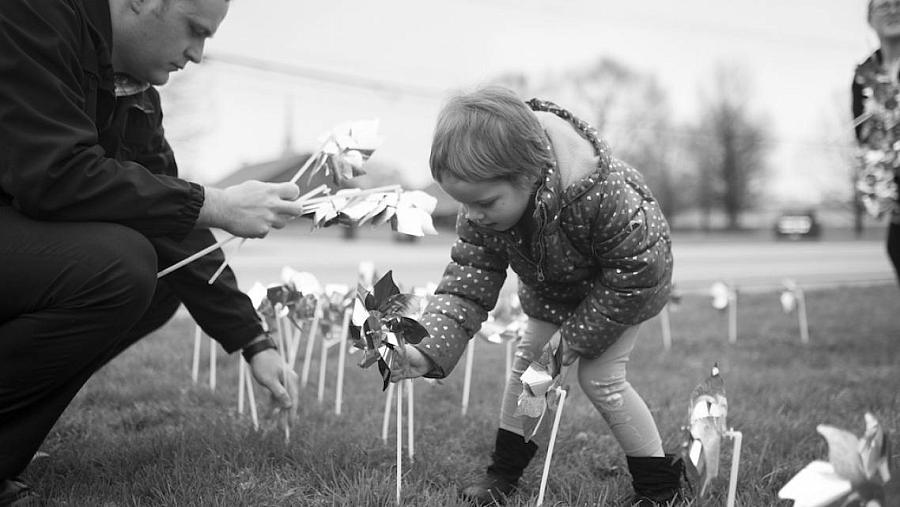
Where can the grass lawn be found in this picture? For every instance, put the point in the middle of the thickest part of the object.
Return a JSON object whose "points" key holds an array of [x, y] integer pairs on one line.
{"points": [[140, 433]]}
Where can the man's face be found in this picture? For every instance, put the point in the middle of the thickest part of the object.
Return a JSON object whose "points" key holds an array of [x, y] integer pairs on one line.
{"points": [[497, 205], [884, 17], [152, 38]]}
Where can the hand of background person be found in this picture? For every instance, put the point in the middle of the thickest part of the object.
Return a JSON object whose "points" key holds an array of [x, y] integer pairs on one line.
{"points": [[250, 209], [269, 370], [419, 365]]}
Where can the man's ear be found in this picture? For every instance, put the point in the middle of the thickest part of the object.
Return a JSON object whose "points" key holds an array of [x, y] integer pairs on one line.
{"points": [[137, 6]]}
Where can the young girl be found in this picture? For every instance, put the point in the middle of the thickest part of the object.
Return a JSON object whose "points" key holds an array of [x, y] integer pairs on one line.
{"points": [[542, 194]]}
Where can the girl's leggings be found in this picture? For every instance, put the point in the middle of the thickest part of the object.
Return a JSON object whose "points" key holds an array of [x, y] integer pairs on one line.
{"points": [[603, 381]]}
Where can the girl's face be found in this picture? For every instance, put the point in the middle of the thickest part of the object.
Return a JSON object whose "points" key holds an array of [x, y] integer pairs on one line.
{"points": [[496, 205], [885, 17]]}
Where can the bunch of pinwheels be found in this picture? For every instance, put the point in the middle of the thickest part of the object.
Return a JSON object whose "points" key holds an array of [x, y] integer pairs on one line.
{"points": [[409, 212], [854, 475], [383, 322], [706, 427]]}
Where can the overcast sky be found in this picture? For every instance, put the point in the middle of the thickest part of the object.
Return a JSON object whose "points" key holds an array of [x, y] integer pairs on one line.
{"points": [[800, 55]]}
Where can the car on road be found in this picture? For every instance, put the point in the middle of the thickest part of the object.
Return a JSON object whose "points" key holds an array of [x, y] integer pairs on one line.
{"points": [[797, 224]]}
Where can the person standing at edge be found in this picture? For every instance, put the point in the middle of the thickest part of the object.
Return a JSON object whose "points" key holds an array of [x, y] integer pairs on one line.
{"points": [[876, 90], [91, 207]]}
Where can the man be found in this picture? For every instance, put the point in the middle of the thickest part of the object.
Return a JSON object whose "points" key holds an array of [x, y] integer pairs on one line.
{"points": [[91, 208], [875, 91]]}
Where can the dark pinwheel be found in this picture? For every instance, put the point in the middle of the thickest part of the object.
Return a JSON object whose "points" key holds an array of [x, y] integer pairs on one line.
{"points": [[383, 322]]}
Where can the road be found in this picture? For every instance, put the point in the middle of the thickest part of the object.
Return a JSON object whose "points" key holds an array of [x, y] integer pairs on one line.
{"points": [[750, 263]]}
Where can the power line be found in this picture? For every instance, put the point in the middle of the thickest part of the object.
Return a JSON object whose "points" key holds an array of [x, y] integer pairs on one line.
{"points": [[327, 76]]}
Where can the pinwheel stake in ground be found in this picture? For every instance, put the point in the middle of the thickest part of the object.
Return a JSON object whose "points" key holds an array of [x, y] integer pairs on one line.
{"points": [[543, 393], [674, 301], [245, 384], [706, 429], [328, 343], [195, 362], [725, 296], [792, 298], [854, 475], [494, 331], [382, 324]]}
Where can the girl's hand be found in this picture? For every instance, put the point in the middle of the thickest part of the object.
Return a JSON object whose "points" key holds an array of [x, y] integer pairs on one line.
{"points": [[419, 365]]}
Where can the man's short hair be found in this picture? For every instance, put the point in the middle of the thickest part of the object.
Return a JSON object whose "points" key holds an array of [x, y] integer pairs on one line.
{"points": [[489, 135]]}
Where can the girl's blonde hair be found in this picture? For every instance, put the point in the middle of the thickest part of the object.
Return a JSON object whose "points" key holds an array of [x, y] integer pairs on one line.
{"points": [[489, 135]]}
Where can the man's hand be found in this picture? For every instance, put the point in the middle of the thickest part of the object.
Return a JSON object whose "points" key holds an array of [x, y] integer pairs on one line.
{"points": [[250, 209], [269, 370], [419, 365]]}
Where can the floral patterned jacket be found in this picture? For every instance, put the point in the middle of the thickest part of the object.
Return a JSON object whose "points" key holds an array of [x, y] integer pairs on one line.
{"points": [[598, 262], [876, 112]]}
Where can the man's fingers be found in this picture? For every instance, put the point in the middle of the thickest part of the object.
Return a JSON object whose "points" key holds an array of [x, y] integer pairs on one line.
{"points": [[287, 190]]}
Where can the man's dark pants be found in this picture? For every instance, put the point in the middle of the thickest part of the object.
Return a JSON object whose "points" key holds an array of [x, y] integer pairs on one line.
{"points": [[72, 297]]}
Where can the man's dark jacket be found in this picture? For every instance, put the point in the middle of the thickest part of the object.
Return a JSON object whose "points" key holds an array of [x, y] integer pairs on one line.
{"points": [[71, 151]]}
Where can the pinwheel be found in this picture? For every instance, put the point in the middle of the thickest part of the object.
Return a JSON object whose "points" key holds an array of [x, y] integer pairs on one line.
{"points": [[854, 475], [706, 428], [344, 150], [793, 298], [543, 394], [382, 325], [725, 296]]}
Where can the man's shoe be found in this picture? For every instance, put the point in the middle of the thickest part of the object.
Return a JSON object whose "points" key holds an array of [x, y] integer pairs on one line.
{"points": [[15, 493]]}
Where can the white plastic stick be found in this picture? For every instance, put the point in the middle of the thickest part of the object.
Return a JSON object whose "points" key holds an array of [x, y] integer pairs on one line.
{"points": [[801, 315], [467, 381], [342, 354], [735, 463], [732, 317], [192, 258], [212, 364], [306, 165], [546, 473], [310, 343], [222, 266], [409, 418], [220, 244], [387, 412], [666, 328], [509, 358], [254, 415], [323, 365], [241, 382], [399, 437], [195, 363], [282, 347]]}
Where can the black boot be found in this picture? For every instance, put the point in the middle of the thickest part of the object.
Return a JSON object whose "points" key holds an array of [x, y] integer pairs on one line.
{"points": [[656, 481], [511, 455], [15, 493]]}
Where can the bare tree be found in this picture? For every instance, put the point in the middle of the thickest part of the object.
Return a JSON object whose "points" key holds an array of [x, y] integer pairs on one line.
{"points": [[730, 147], [629, 109]]}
